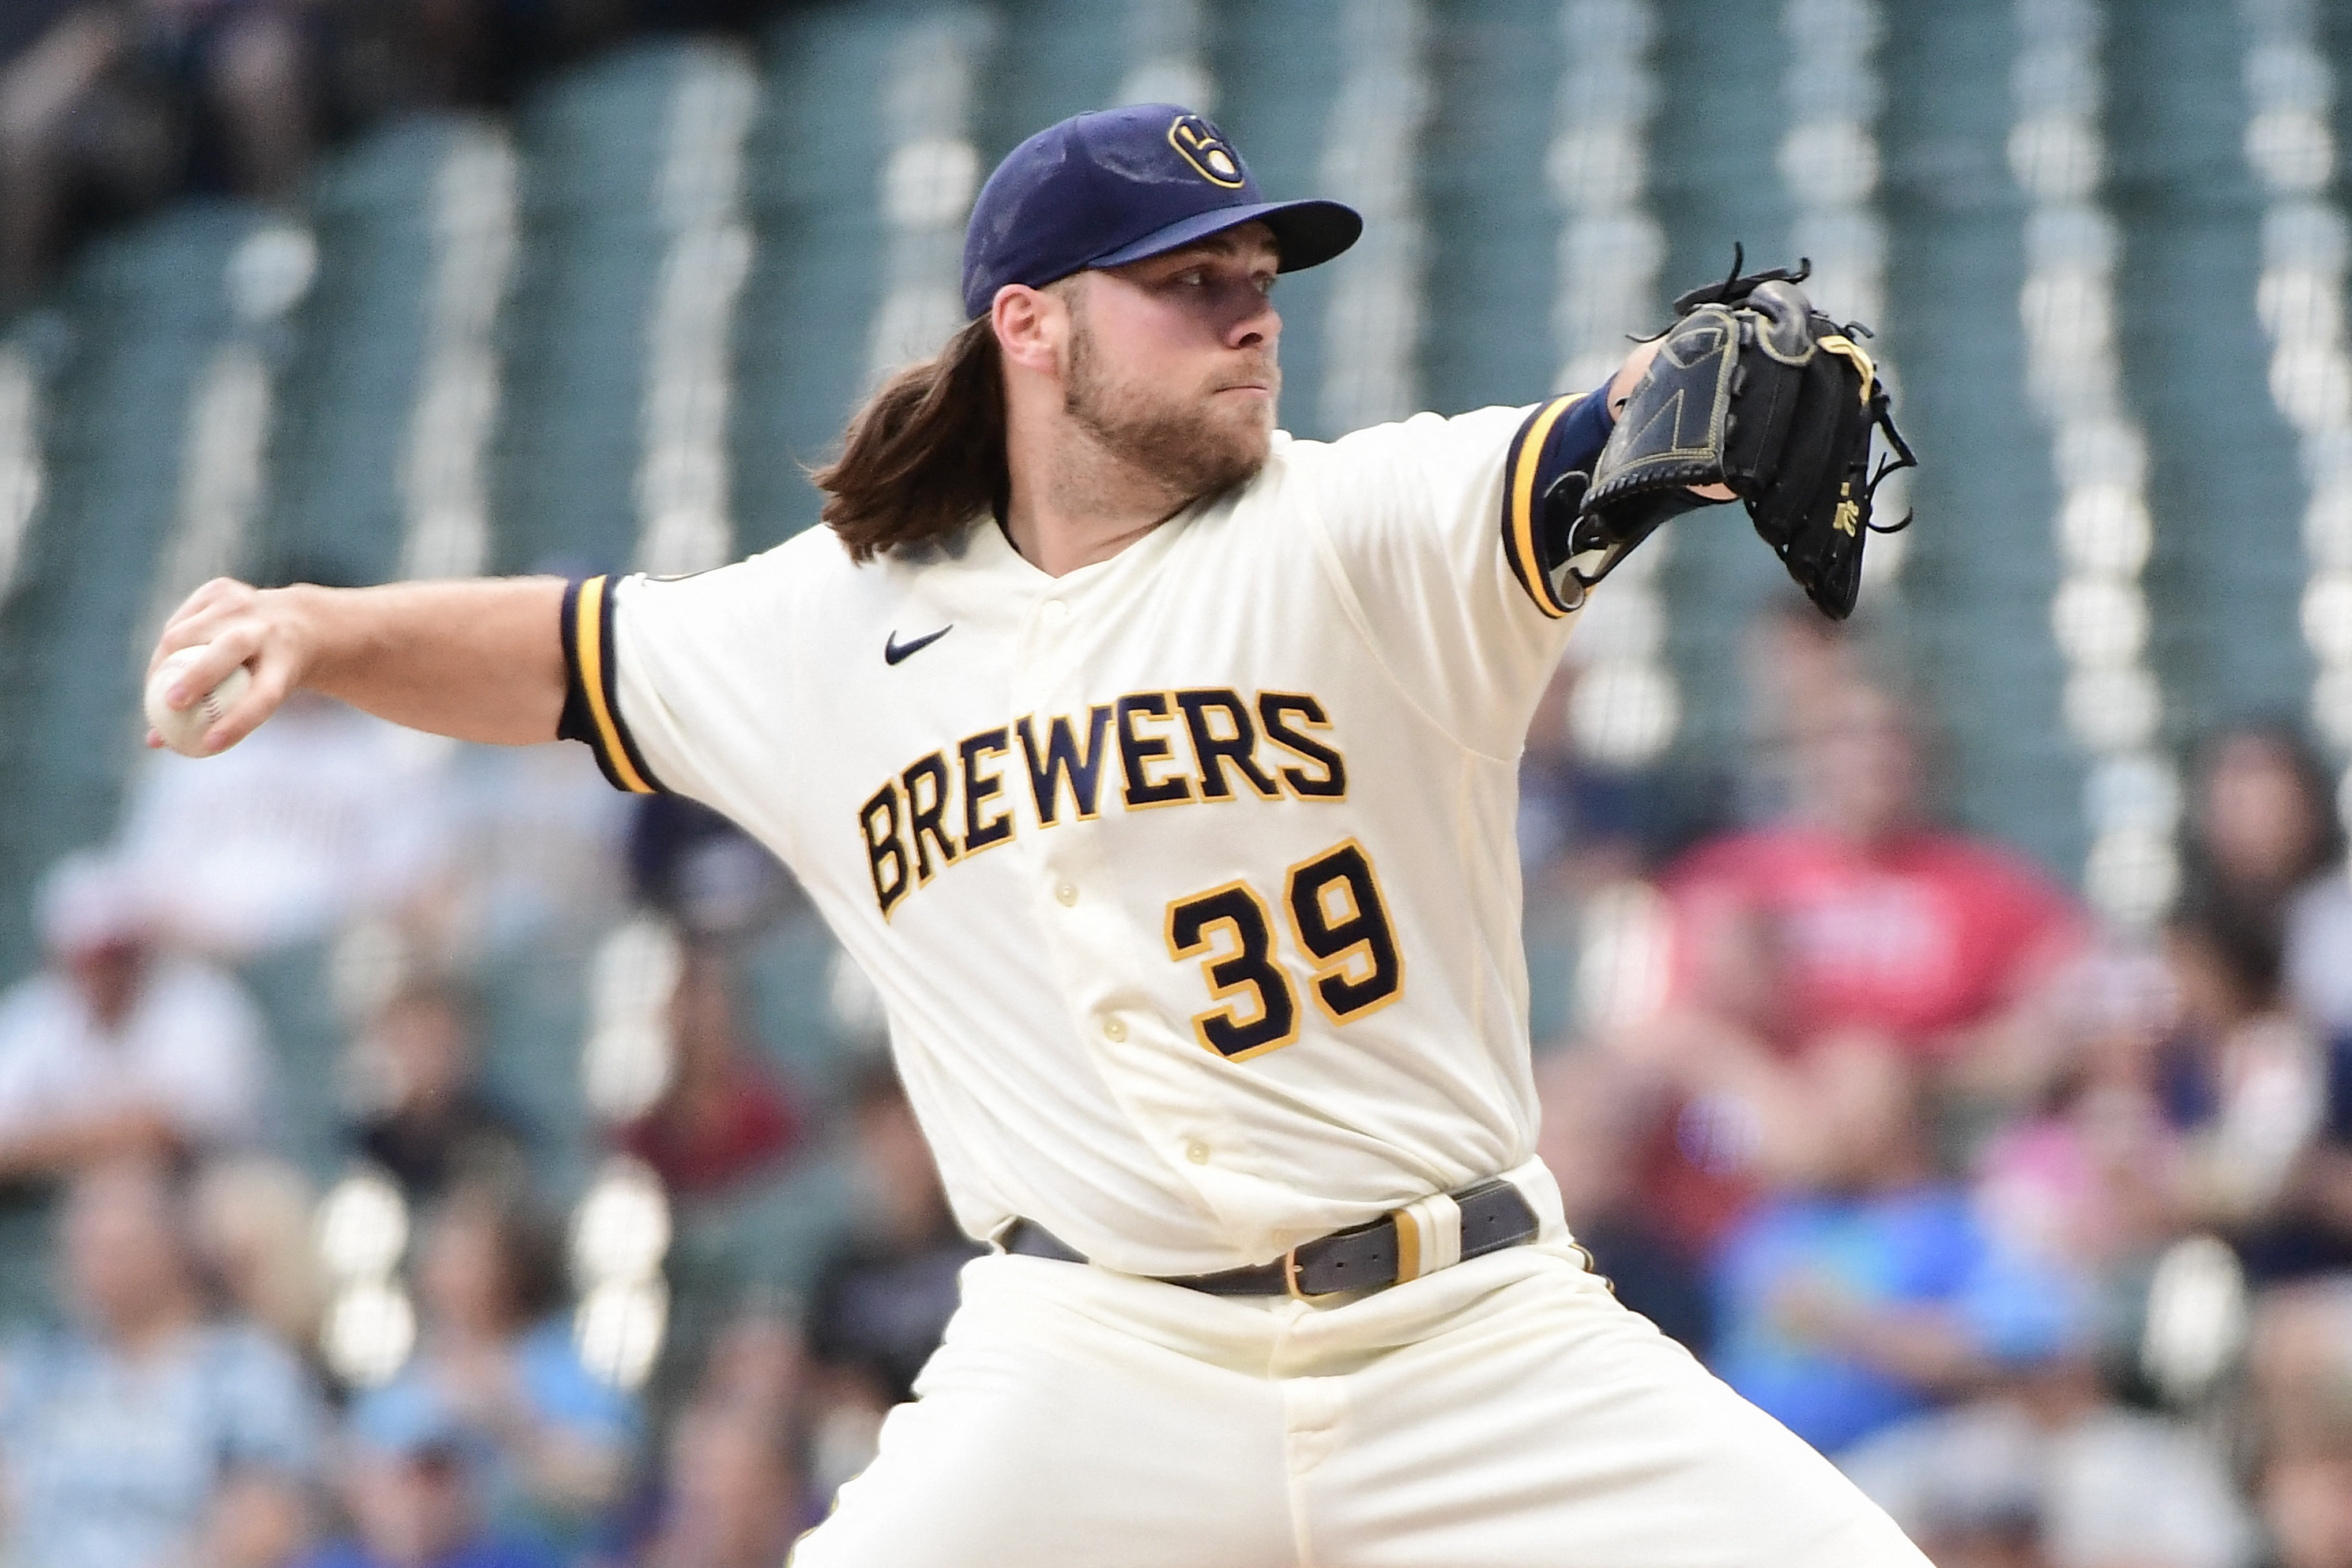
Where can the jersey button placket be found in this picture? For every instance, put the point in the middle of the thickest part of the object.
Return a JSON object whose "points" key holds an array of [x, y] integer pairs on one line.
{"points": [[1046, 681]]}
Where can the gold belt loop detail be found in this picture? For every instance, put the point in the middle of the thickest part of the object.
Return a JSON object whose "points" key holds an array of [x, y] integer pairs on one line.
{"points": [[1408, 1242]]}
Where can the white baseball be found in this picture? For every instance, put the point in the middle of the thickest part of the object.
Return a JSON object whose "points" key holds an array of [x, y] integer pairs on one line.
{"points": [[183, 729]]}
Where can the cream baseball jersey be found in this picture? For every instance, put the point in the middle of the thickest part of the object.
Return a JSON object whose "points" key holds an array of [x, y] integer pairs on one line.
{"points": [[1188, 878]]}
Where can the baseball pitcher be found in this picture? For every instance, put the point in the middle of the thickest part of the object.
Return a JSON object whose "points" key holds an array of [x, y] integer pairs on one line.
{"points": [[1160, 770]]}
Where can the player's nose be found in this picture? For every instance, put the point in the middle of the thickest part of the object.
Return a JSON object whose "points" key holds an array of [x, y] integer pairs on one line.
{"points": [[1260, 327]]}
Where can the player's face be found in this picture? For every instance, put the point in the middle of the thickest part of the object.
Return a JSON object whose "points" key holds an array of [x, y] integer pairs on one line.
{"points": [[1172, 360]]}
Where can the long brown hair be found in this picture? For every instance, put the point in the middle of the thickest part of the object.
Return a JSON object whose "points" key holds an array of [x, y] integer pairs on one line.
{"points": [[925, 454]]}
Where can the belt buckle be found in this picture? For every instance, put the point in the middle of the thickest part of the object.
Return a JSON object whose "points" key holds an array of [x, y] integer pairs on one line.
{"points": [[1290, 1282]]}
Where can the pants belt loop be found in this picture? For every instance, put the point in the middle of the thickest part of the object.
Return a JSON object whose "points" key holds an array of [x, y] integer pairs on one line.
{"points": [[1429, 1235]]}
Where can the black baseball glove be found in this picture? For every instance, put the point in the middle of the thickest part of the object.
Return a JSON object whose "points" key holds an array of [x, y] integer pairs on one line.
{"points": [[1754, 389]]}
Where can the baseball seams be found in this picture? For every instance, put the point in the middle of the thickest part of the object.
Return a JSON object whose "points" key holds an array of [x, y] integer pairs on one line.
{"points": [[184, 729], [212, 705]]}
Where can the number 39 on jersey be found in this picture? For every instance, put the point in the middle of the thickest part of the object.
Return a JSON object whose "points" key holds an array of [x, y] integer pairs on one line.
{"points": [[1331, 913]]}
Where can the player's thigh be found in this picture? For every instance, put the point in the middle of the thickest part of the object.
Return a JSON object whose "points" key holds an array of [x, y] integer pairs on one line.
{"points": [[1551, 1426], [1042, 1434]]}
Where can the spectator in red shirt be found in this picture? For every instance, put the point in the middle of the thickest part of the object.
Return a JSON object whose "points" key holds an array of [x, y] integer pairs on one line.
{"points": [[1880, 922], [1855, 922], [725, 1115]]}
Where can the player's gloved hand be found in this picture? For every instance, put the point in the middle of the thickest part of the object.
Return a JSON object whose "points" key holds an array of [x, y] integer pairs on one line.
{"points": [[1620, 393], [1751, 393], [234, 623]]}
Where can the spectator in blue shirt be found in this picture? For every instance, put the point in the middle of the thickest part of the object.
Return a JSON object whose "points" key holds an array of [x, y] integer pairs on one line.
{"points": [[148, 1433], [1865, 1290], [408, 1490], [546, 1444]]}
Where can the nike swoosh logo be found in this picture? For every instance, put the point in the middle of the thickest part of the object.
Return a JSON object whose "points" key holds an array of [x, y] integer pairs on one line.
{"points": [[893, 650]]}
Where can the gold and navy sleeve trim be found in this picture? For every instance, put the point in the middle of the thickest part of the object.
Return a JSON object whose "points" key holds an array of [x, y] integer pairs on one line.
{"points": [[591, 712], [1523, 505], [1559, 436]]}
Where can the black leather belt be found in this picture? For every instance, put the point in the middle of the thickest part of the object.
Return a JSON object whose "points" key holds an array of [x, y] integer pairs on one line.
{"points": [[1495, 1215]]}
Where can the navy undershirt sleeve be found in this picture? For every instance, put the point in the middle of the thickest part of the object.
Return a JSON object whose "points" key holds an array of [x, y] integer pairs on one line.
{"points": [[1563, 435], [1582, 432]]}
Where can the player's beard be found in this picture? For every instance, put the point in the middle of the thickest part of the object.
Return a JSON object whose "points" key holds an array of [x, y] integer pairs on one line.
{"points": [[1192, 442]]}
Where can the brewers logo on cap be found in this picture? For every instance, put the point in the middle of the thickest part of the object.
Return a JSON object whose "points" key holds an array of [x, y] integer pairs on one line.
{"points": [[1100, 190], [1207, 150]]}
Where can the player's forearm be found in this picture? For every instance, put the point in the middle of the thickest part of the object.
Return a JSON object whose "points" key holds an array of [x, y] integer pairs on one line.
{"points": [[480, 661]]}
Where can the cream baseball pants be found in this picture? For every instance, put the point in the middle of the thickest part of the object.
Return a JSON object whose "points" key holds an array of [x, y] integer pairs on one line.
{"points": [[1504, 1413]]}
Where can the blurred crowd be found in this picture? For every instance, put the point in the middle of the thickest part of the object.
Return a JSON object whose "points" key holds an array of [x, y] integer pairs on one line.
{"points": [[110, 107], [196, 1389], [2040, 1229]]}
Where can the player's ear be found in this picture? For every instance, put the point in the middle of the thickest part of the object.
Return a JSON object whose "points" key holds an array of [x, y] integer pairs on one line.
{"points": [[1031, 324]]}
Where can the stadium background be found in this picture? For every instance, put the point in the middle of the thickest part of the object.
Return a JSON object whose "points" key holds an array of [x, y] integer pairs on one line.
{"points": [[597, 314]]}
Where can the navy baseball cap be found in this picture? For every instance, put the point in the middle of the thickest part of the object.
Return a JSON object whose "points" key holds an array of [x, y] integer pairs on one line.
{"points": [[1115, 186]]}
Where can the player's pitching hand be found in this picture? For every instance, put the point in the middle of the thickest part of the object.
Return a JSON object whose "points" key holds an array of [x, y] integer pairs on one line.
{"points": [[232, 623]]}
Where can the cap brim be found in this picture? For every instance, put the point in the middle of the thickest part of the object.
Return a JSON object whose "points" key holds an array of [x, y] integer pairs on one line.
{"points": [[1306, 234]]}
